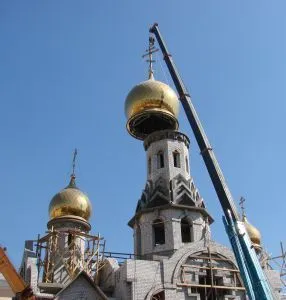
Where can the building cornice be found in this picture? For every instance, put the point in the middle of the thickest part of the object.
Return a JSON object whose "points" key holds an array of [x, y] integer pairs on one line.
{"points": [[166, 134]]}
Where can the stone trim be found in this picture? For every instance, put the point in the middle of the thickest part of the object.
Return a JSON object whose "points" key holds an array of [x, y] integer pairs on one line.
{"points": [[166, 134], [203, 211], [69, 221]]}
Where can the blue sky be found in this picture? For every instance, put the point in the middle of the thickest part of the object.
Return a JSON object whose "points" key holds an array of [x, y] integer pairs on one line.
{"points": [[66, 68]]}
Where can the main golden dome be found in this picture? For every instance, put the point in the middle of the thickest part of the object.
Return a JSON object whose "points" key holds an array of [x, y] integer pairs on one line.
{"points": [[150, 106], [253, 232], [70, 202]]}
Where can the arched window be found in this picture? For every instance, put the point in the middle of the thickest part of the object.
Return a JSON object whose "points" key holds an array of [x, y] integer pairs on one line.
{"points": [[176, 159], [149, 165], [187, 165], [160, 160], [158, 232], [186, 231]]}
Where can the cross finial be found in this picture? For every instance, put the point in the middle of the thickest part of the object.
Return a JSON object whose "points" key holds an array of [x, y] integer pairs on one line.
{"points": [[149, 52], [241, 203], [72, 183], [73, 162]]}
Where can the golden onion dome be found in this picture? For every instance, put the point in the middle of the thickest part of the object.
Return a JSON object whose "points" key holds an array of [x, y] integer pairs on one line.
{"points": [[150, 106], [70, 201], [253, 232]]}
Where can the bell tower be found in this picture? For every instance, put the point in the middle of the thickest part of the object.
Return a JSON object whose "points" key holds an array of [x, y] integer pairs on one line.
{"points": [[170, 212]]}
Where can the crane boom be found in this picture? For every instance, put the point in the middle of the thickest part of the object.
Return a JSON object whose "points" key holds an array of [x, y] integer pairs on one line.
{"points": [[15, 281], [207, 153], [253, 276]]}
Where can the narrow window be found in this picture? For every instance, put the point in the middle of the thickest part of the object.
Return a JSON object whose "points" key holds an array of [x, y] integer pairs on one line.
{"points": [[159, 232], [28, 276], [176, 158], [187, 165], [70, 239], [192, 187], [160, 160], [149, 165], [185, 231]]}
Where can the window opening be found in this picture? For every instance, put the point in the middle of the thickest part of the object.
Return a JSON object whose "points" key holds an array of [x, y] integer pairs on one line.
{"points": [[192, 187], [149, 165], [187, 165], [160, 160], [70, 239], [176, 158], [159, 232], [28, 278], [186, 231]]}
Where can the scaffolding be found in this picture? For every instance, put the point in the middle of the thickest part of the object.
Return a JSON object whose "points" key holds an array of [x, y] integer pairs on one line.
{"points": [[70, 255], [210, 275], [276, 263]]}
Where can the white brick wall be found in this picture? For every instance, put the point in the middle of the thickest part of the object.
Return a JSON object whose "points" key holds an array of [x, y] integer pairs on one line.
{"points": [[140, 279], [172, 221], [80, 289], [167, 146]]}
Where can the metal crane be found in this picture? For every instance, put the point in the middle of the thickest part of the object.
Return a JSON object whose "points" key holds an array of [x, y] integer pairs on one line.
{"points": [[16, 282], [253, 276]]}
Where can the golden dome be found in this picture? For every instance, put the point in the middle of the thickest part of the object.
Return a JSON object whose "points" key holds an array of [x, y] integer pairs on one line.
{"points": [[253, 232], [150, 106], [70, 202]]}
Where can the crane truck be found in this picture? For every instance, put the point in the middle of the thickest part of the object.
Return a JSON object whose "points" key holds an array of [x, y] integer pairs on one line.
{"points": [[21, 289], [255, 281]]}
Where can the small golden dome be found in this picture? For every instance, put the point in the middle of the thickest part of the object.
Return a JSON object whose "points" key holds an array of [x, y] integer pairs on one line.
{"points": [[253, 232], [150, 106], [70, 202]]}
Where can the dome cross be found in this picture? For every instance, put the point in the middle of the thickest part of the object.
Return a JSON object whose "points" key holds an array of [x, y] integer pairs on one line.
{"points": [[73, 162], [149, 52], [241, 204]]}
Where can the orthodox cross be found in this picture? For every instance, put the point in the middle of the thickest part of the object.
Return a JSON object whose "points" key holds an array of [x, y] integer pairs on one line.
{"points": [[241, 203], [149, 52], [73, 161]]}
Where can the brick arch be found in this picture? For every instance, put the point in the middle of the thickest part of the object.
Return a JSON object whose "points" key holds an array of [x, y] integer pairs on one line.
{"points": [[182, 255], [219, 281]]}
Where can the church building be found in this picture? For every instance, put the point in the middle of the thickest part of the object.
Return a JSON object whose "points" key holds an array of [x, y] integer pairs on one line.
{"points": [[174, 256]]}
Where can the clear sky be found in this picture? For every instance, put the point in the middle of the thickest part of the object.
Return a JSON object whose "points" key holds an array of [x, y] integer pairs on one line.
{"points": [[65, 70]]}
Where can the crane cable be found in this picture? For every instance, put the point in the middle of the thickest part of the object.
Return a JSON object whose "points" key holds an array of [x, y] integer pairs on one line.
{"points": [[162, 69]]}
